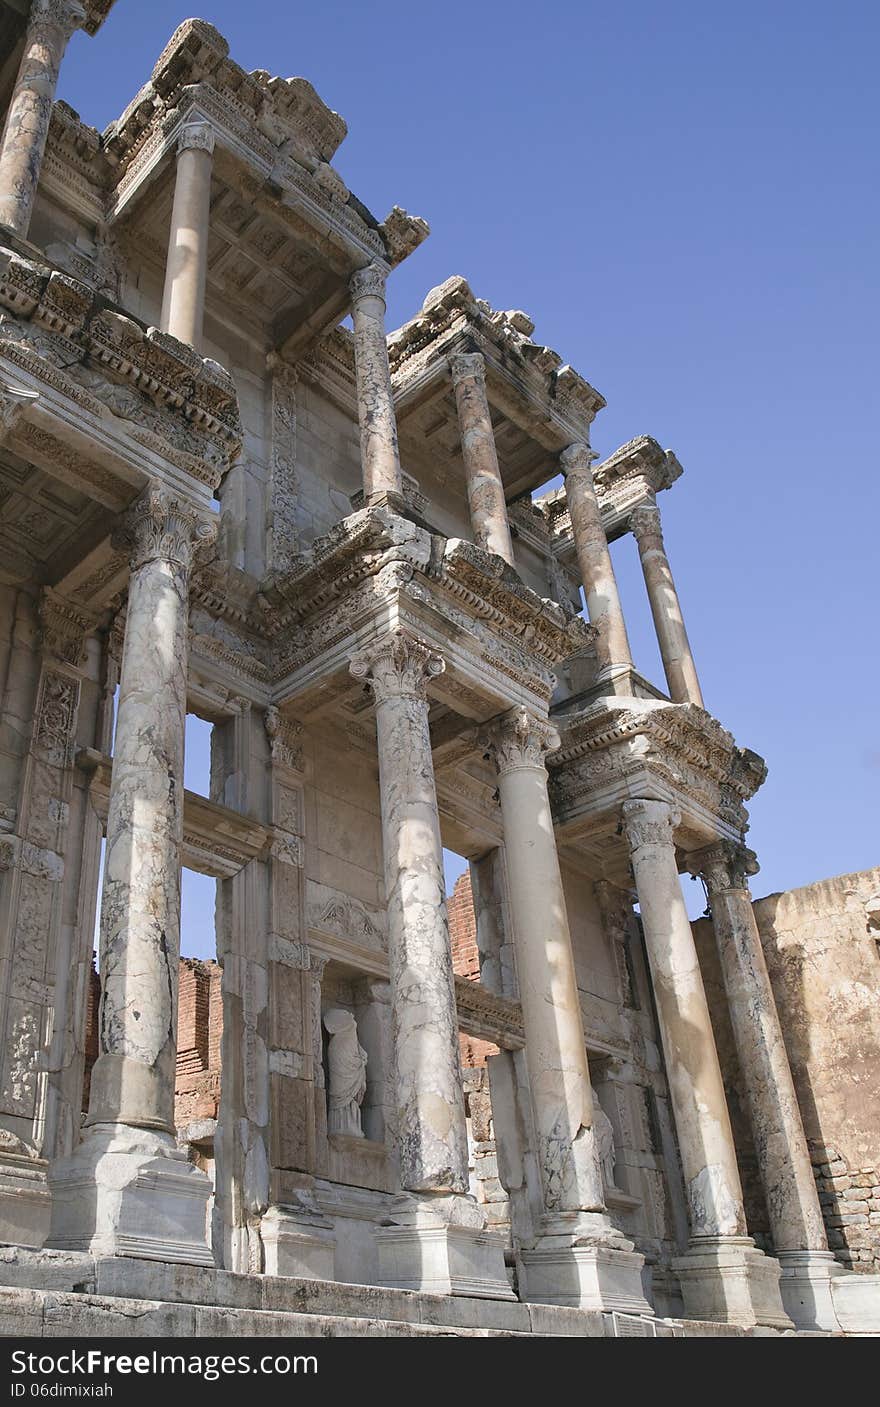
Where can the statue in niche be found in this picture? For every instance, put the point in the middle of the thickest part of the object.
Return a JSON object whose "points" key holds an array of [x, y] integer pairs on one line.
{"points": [[347, 1061], [603, 1134]]}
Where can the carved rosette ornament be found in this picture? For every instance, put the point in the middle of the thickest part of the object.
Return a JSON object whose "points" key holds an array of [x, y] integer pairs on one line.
{"points": [[520, 740], [368, 283], [398, 666], [725, 865], [649, 823], [160, 527], [645, 527], [468, 366]]}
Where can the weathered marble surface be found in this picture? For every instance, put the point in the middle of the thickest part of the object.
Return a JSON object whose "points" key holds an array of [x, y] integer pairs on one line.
{"points": [[133, 1078], [675, 650], [488, 508], [701, 1118], [556, 1055], [183, 302], [50, 26], [431, 1126], [380, 460], [594, 559]]}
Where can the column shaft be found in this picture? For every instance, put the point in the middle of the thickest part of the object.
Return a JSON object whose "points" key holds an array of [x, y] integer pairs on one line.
{"points": [[380, 460], [488, 506], [556, 1056], [701, 1118], [432, 1138], [675, 650], [183, 301], [594, 559], [133, 1078], [780, 1143], [51, 24]]}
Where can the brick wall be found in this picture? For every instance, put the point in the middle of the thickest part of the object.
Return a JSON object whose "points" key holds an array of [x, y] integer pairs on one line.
{"points": [[466, 962]]}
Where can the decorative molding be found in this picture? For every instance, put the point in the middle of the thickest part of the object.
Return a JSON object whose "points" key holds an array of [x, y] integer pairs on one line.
{"points": [[488, 1015], [65, 627], [285, 739], [55, 723]]}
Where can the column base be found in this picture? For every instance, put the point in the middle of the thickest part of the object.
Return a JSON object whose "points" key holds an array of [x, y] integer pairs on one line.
{"points": [[728, 1280], [806, 1288], [130, 1192], [441, 1245], [24, 1193], [583, 1261], [298, 1242]]}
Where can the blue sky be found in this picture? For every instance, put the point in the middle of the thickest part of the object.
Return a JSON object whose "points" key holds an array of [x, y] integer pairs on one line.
{"points": [[684, 196]]}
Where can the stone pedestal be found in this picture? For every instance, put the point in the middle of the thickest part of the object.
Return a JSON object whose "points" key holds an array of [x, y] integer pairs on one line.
{"points": [[599, 1275], [675, 650], [440, 1245], [183, 302], [130, 1192], [727, 1279], [720, 1249], [488, 506], [299, 1242], [380, 460], [25, 1202], [50, 25], [613, 654]]}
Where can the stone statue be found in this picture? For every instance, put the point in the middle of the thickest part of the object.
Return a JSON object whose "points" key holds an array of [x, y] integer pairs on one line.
{"points": [[603, 1134], [348, 1073]]}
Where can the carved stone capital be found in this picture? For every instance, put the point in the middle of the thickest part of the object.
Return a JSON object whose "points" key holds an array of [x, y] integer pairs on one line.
{"points": [[160, 527], [65, 627], [578, 458], [63, 16], [518, 739], [724, 865], [645, 526], [196, 136], [14, 401], [398, 666], [368, 283], [285, 739], [647, 823], [468, 366]]}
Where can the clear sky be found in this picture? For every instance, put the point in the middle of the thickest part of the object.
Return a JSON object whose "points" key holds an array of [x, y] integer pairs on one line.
{"points": [[684, 196]]}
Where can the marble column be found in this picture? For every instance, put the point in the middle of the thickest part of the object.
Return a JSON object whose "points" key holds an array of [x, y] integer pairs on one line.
{"points": [[722, 1263], [108, 1196], [186, 269], [796, 1224], [675, 650], [488, 506], [431, 1133], [50, 25], [581, 1257], [380, 460], [604, 609]]}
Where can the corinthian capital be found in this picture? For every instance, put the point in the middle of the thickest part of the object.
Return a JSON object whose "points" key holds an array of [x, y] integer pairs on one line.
{"points": [[468, 366], [518, 739], [397, 666], [196, 136], [368, 283], [160, 527], [64, 16], [724, 865], [577, 459], [645, 527], [647, 823]]}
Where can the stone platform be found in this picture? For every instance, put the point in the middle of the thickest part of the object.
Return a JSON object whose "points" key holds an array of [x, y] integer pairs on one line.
{"points": [[56, 1294]]}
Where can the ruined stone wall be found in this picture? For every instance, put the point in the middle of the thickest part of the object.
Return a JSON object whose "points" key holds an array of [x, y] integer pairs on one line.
{"points": [[821, 946]]}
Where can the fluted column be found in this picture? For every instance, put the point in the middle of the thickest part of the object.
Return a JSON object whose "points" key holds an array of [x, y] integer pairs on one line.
{"points": [[50, 25], [768, 1088], [488, 506], [432, 1137], [133, 1077], [675, 650], [701, 1118], [605, 611], [556, 1055], [186, 270], [380, 460]]}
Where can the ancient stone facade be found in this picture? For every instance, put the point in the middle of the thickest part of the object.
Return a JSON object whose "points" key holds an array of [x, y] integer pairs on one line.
{"points": [[338, 548]]}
